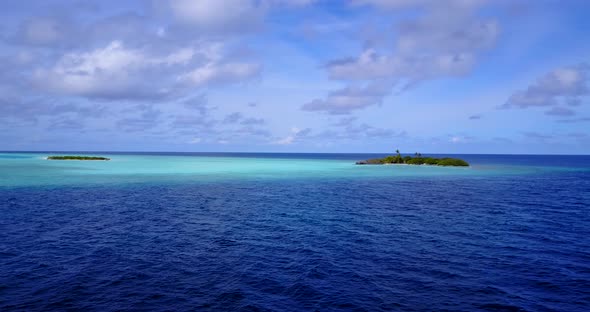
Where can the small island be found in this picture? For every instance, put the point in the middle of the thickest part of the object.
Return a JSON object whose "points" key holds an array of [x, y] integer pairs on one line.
{"points": [[416, 160], [76, 158]]}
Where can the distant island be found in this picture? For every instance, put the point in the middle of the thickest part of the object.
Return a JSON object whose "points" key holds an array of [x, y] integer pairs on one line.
{"points": [[77, 158], [416, 160]]}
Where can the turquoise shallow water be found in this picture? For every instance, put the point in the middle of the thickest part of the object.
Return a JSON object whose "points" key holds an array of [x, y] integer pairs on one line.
{"points": [[30, 169]]}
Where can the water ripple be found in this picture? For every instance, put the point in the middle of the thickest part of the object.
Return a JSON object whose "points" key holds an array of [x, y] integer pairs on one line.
{"points": [[504, 244]]}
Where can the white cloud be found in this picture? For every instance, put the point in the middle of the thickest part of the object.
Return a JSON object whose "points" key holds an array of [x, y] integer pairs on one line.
{"points": [[291, 2], [444, 40], [369, 65], [225, 16], [351, 98], [182, 56], [217, 15], [212, 73], [117, 71], [426, 48], [296, 133], [456, 139], [400, 4], [566, 84], [101, 71]]}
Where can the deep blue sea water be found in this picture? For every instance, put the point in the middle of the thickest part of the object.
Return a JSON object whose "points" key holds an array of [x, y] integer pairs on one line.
{"points": [[293, 232]]}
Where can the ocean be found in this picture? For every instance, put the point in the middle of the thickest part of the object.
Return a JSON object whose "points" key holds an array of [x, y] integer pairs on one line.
{"points": [[293, 232]]}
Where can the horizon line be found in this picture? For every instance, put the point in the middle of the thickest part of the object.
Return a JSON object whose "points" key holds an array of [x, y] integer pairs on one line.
{"points": [[238, 152]]}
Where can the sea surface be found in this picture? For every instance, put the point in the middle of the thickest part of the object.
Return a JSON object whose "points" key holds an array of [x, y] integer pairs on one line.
{"points": [[293, 232]]}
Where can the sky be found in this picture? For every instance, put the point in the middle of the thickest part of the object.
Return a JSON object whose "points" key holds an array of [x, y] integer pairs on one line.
{"points": [[325, 76]]}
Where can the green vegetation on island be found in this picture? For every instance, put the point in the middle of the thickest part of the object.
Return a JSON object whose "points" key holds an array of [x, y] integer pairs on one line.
{"points": [[416, 160], [77, 158]]}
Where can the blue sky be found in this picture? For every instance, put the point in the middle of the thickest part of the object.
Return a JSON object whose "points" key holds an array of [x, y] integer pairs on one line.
{"points": [[455, 76]]}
